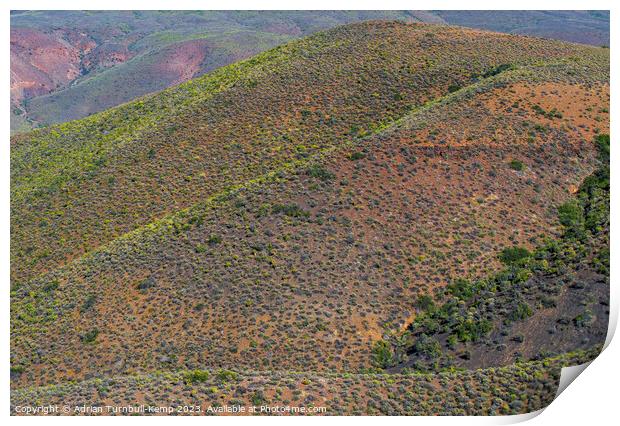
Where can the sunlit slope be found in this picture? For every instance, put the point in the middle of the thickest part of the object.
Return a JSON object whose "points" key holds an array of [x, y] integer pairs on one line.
{"points": [[68, 65], [81, 184], [306, 267]]}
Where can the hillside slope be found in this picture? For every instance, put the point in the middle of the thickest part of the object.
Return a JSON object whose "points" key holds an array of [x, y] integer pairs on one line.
{"points": [[70, 64], [285, 213], [67, 65], [517, 389], [81, 184]]}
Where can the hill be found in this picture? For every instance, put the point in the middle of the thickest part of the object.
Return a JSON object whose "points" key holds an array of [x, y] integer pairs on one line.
{"points": [[520, 388], [287, 213], [70, 64], [577, 26]]}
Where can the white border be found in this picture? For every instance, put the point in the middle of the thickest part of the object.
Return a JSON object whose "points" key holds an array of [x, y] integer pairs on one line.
{"points": [[591, 399]]}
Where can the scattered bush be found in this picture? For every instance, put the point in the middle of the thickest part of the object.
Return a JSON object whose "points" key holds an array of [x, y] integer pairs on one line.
{"points": [[291, 210], [89, 303], [214, 239], [357, 156], [146, 284], [425, 303], [513, 255], [382, 355], [320, 172], [227, 375], [90, 336], [517, 165], [196, 376]]}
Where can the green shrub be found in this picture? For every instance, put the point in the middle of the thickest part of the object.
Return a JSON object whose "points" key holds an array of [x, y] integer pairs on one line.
{"points": [[516, 165], [522, 312], [427, 346], [89, 302], [17, 369], [227, 375], [554, 113], [583, 319], [357, 156], [499, 69], [196, 376], [425, 303], [454, 88], [472, 331], [570, 215], [512, 255], [291, 210], [214, 239], [146, 283], [461, 289], [320, 172], [90, 336], [258, 398], [51, 286], [382, 355], [602, 143]]}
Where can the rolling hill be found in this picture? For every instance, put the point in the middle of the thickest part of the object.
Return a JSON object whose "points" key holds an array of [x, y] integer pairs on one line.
{"points": [[70, 64], [577, 26], [323, 207]]}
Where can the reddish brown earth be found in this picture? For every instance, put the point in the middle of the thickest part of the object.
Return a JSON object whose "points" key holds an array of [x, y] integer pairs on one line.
{"points": [[43, 62], [54, 51], [287, 213], [183, 61], [46, 61]]}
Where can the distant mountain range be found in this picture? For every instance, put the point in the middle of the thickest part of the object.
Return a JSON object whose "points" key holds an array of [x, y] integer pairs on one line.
{"points": [[70, 64]]}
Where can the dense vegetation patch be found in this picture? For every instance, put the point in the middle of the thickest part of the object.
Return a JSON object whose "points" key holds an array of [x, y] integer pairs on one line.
{"points": [[470, 311]]}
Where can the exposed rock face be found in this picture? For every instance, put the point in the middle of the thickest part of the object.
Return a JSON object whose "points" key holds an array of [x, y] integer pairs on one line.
{"points": [[42, 62]]}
